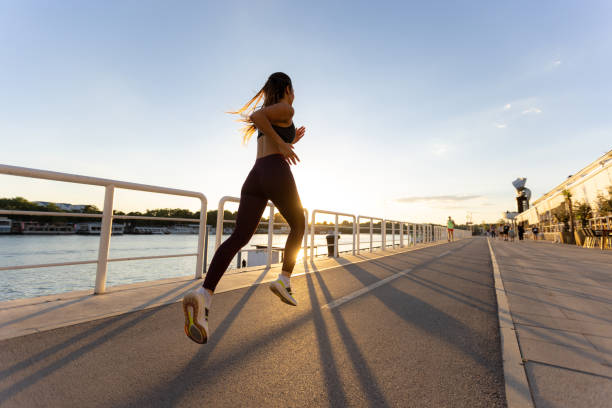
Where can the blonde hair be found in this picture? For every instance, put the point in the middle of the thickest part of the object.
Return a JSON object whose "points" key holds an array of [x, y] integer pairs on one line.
{"points": [[271, 93]]}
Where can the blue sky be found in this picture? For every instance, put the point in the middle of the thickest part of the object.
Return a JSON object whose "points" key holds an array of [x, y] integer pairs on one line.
{"points": [[414, 110]]}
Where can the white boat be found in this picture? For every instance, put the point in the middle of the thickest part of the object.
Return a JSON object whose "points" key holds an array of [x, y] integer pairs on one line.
{"points": [[36, 228], [150, 230], [47, 229], [193, 229], [5, 225], [93, 228]]}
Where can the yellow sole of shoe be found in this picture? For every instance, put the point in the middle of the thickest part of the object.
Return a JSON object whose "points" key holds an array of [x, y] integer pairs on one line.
{"points": [[192, 329]]}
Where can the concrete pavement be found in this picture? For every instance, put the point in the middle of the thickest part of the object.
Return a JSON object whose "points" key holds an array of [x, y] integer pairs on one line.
{"points": [[560, 300]]}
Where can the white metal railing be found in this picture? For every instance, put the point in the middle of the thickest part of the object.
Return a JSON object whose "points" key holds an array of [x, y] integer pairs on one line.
{"points": [[420, 232], [401, 226], [107, 217], [336, 214], [371, 230]]}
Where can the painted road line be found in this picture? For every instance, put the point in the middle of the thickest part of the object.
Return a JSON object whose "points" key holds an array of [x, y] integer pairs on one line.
{"points": [[365, 290]]}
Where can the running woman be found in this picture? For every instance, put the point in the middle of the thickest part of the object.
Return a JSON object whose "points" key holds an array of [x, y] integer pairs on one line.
{"points": [[270, 179], [450, 227]]}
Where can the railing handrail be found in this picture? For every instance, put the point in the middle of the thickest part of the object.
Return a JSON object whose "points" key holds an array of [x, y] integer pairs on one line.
{"points": [[428, 231], [96, 181], [107, 213], [95, 215], [336, 214]]}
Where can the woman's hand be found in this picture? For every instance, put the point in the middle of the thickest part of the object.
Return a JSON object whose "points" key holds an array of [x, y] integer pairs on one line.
{"points": [[286, 149], [299, 134]]}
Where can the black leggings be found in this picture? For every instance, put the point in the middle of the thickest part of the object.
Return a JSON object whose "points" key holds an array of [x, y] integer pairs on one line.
{"points": [[270, 179]]}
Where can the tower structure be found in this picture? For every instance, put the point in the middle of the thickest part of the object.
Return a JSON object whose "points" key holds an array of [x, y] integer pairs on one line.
{"points": [[523, 194]]}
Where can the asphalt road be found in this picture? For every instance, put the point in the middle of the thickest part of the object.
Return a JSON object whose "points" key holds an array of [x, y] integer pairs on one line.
{"points": [[428, 338]]}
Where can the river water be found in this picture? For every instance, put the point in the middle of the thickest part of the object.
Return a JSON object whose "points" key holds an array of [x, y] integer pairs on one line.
{"points": [[28, 250]]}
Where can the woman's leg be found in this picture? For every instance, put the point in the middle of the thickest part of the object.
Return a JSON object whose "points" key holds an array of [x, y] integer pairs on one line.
{"points": [[294, 214], [250, 210], [283, 193]]}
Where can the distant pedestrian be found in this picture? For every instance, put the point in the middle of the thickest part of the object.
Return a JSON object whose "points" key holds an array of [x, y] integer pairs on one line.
{"points": [[521, 232], [450, 227], [535, 232], [493, 231], [512, 233], [270, 179], [506, 230]]}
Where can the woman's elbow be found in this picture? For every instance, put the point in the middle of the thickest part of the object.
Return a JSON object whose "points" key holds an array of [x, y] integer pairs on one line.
{"points": [[255, 116]]}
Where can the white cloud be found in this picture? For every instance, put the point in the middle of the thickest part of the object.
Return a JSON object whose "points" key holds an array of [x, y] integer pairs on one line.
{"points": [[440, 198], [501, 125], [556, 63], [440, 149], [532, 110], [508, 106]]}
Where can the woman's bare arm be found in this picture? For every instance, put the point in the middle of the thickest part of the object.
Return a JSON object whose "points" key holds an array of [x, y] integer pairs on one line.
{"points": [[263, 118]]}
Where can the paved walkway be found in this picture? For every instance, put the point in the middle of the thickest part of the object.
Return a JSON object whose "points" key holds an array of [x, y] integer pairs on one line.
{"points": [[415, 329], [561, 303]]}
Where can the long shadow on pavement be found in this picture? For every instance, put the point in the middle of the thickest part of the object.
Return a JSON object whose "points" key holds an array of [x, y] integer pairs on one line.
{"points": [[458, 335], [369, 385], [106, 322]]}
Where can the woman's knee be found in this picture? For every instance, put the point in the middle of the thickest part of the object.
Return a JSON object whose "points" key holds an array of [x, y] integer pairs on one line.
{"points": [[239, 238], [298, 226]]}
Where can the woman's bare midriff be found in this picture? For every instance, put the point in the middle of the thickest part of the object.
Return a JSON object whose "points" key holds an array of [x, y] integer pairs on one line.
{"points": [[265, 146]]}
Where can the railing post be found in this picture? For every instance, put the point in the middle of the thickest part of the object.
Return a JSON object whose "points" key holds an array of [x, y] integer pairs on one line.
{"points": [[393, 234], [204, 265], [202, 241], [354, 232], [270, 232], [383, 236], [105, 235], [401, 234], [220, 214], [312, 236], [336, 238], [305, 254], [358, 235], [371, 233]]}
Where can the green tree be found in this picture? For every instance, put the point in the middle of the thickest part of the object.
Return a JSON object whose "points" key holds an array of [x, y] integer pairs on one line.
{"points": [[582, 212], [561, 214], [604, 205]]}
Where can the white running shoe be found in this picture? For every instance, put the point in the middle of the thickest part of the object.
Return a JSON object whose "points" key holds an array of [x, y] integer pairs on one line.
{"points": [[196, 316], [283, 292]]}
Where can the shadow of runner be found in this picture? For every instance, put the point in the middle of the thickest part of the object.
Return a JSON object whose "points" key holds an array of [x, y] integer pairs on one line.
{"points": [[171, 392], [106, 322], [369, 385]]}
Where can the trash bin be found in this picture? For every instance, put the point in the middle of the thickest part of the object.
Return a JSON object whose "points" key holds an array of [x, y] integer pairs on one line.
{"points": [[330, 243]]}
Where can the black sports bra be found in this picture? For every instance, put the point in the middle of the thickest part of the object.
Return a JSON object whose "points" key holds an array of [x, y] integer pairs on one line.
{"points": [[286, 133]]}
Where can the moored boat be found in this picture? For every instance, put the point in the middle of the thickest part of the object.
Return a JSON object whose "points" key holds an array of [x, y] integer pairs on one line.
{"points": [[93, 228]]}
